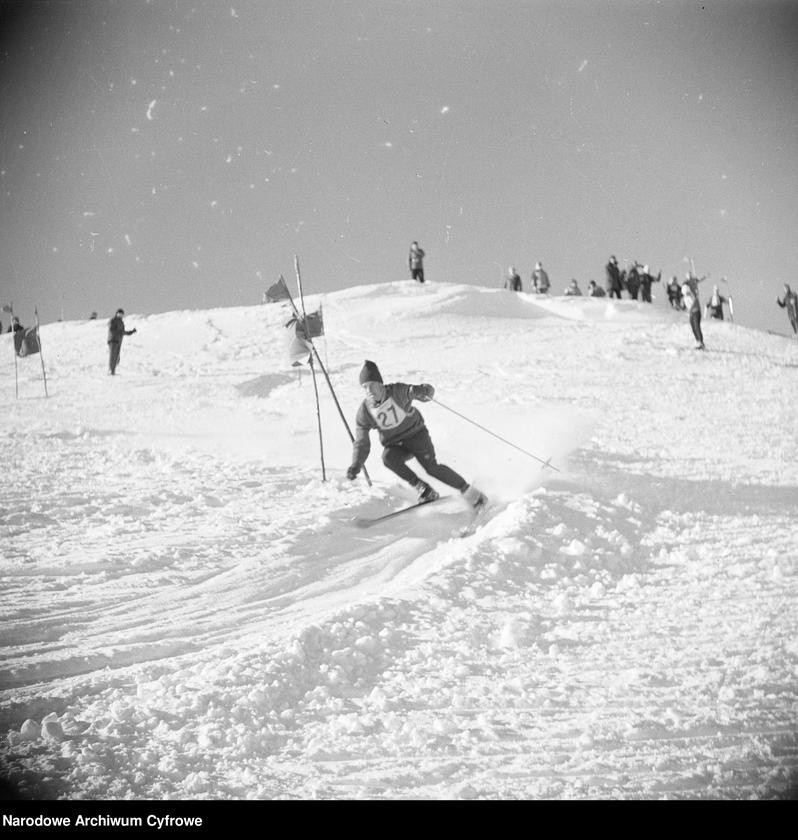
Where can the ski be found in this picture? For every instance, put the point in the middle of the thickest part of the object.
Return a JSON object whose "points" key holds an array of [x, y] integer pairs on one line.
{"points": [[480, 517], [367, 522]]}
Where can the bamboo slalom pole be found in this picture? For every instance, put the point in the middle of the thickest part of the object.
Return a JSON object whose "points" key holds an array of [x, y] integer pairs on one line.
{"points": [[312, 368], [329, 383], [41, 353]]}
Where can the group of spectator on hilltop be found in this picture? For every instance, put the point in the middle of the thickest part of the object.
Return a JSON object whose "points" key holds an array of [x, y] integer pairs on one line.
{"points": [[636, 282]]}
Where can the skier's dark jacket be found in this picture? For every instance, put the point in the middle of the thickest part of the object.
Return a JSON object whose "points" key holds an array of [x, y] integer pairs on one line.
{"points": [[116, 330], [613, 277], [791, 303], [395, 418]]}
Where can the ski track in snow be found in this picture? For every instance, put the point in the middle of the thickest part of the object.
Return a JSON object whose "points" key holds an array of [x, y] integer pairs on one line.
{"points": [[187, 611]]}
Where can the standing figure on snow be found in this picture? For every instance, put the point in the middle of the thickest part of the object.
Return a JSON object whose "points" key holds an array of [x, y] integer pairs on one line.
{"points": [[513, 281], [675, 294], [613, 284], [791, 303], [116, 332], [415, 262], [714, 307], [540, 280], [693, 306], [645, 284], [403, 433], [633, 281]]}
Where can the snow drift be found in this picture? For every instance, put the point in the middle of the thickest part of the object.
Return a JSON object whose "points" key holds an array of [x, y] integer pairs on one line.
{"points": [[189, 613]]}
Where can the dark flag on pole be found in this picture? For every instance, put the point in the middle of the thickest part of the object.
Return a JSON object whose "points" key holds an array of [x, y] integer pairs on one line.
{"points": [[26, 342], [314, 324], [279, 291]]}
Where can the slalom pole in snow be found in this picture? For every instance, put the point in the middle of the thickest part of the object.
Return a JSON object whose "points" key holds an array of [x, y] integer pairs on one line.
{"points": [[329, 384], [14, 349], [10, 309], [41, 354], [312, 369], [546, 463]]}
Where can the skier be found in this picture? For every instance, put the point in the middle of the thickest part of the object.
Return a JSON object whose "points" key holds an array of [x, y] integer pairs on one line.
{"points": [[116, 332], [403, 433], [714, 307], [791, 303], [513, 281], [415, 261], [693, 305]]}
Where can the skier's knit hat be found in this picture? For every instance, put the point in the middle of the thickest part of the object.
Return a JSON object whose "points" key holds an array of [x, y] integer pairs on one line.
{"points": [[370, 373]]}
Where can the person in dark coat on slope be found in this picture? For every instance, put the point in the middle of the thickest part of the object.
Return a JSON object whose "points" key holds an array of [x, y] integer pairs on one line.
{"points": [[116, 332], [714, 306], [403, 434], [633, 281], [513, 281], [415, 262], [675, 294], [790, 303], [646, 281], [613, 284]]}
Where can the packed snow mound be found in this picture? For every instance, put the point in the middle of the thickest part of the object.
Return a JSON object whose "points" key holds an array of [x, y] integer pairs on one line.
{"points": [[189, 612]]}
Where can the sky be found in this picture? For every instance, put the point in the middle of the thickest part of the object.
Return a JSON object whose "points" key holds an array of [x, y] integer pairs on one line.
{"points": [[176, 155]]}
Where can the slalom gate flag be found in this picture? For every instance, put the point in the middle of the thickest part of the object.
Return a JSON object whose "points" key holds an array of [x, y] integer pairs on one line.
{"points": [[299, 349], [314, 324], [279, 291], [26, 342]]}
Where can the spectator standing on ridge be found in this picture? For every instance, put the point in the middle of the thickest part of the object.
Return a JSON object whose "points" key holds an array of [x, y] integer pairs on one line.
{"points": [[573, 289], [693, 305], [15, 325], [403, 433], [613, 284], [513, 281], [633, 281], [675, 294], [540, 280], [790, 302], [594, 290], [415, 261], [714, 307], [645, 284], [116, 332]]}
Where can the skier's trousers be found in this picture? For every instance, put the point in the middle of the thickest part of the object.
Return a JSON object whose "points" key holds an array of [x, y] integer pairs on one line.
{"points": [[420, 447]]}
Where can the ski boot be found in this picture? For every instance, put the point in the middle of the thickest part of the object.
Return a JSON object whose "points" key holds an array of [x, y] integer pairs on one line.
{"points": [[476, 498], [425, 492]]}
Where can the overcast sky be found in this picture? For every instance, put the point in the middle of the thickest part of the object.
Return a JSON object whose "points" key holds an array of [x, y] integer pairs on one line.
{"points": [[177, 154]]}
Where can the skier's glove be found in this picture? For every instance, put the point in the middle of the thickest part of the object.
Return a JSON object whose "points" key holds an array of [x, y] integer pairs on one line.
{"points": [[428, 392], [351, 472]]}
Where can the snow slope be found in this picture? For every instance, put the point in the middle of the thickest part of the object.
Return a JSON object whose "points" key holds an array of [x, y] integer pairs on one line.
{"points": [[188, 612]]}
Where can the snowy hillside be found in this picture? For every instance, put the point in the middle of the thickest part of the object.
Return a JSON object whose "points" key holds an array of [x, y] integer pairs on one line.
{"points": [[188, 611]]}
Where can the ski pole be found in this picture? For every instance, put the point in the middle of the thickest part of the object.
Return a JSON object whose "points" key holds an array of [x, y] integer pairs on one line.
{"points": [[509, 443]]}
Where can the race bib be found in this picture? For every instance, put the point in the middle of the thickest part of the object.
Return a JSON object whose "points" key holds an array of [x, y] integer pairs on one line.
{"points": [[387, 415]]}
